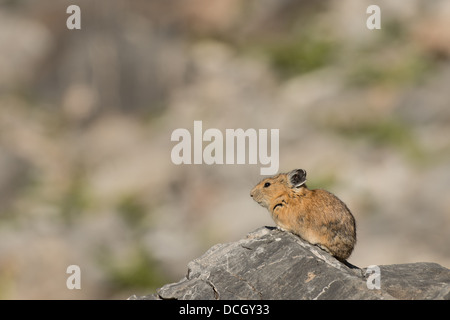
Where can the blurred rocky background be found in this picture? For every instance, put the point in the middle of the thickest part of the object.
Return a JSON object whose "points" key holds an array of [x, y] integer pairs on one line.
{"points": [[86, 118]]}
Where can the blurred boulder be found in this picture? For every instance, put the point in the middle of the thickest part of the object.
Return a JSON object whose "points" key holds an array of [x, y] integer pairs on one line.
{"points": [[14, 175]]}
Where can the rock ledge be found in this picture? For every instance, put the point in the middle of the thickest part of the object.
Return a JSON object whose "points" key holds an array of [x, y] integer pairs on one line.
{"points": [[273, 264]]}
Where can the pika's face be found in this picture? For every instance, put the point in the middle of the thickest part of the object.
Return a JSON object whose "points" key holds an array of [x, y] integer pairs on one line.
{"points": [[270, 189]]}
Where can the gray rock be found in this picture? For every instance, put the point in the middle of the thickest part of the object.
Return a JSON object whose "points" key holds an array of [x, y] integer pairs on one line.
{"points": [[273, 264], [422, 280]]}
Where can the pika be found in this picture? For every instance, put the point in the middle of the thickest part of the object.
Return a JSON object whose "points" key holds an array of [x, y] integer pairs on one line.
{"points": [[316, 216]]}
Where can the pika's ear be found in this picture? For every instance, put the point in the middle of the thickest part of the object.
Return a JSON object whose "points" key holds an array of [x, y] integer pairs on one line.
{"points": [[297, 177]]}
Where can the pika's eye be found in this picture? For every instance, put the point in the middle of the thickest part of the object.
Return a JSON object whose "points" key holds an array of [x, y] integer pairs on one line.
{"points": [[267, 184]]}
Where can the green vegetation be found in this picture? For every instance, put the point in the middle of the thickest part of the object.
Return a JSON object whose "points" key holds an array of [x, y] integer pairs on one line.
{"points": [[141, 271], [398, 72], [387, 132], [75, 199], [300, 56], [132, 210]]}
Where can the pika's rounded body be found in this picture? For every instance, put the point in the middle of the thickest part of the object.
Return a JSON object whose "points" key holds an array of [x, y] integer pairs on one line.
{"points": [[316, 216]]}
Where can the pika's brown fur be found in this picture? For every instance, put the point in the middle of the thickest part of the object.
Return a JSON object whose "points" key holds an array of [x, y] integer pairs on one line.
{"points": [[317, 216]]}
